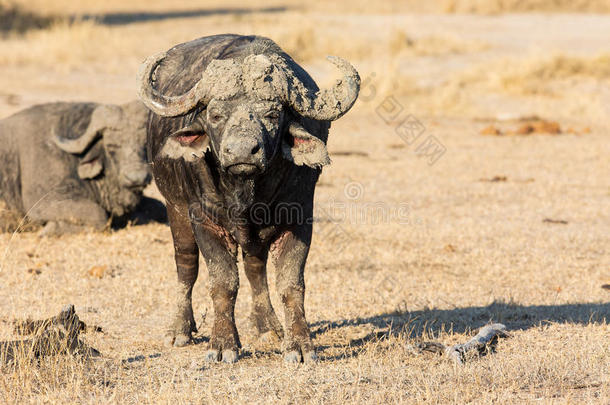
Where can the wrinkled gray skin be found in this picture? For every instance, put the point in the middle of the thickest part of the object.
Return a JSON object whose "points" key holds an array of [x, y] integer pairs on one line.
{"points": [[237, 141], [72, 165]]}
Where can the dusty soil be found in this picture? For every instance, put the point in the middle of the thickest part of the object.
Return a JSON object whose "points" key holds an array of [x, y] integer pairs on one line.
{"points": [[427, 228]]}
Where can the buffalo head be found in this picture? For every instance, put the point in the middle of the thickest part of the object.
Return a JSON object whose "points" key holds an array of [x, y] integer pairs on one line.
{"points": [[249, 109], [111, 148]]}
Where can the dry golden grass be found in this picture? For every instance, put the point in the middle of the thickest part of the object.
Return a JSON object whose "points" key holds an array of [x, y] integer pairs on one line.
{"points": [[505, 264], [13, 221], [528, 249], [65, 46], [400, 42], [520, 6], [94, 7], [537, 75]]}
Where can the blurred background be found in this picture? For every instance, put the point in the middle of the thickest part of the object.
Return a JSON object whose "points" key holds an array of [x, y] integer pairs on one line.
{"points": [[464, 58]]}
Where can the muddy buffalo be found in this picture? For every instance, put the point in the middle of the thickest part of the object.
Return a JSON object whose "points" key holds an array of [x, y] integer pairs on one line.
{"points": [[237, 136], [73, 165]]}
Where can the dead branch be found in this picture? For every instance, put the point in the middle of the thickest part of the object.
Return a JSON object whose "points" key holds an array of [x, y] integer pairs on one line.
{"points": [[479, 344], [52, 336], [66, 318]]}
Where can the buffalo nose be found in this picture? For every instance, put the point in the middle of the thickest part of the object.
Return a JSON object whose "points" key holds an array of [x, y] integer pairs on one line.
{"points": [[137, 177], [242, 150]]}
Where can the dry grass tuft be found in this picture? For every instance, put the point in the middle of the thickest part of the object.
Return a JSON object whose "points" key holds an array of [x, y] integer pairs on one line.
{"points": [[14, 221], [16, 20], [67, 46], [536, 75]]}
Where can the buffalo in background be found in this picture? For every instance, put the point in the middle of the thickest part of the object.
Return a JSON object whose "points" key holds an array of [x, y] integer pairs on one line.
{"points": [[71, 166]]}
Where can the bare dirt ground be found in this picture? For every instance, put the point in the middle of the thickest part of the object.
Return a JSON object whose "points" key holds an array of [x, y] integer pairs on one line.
{"points": [[428, 229]]}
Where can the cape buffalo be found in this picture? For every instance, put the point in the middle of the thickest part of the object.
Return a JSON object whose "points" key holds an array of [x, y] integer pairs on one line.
{"points": [[71, 165], [237, 141]]}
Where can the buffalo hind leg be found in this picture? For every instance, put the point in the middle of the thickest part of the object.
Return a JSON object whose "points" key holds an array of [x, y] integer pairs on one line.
{"points": [[292, 249], [220, 253], [262, 316], [187, 266]]}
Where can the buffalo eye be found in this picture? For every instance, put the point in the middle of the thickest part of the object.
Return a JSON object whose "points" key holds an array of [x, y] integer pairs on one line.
{"points": [[273, 115], [215, 118]]}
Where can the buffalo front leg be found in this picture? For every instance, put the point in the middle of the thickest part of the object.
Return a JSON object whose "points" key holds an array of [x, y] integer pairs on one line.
{"points": [[220, 253], [292, 248], [262, 316], [63, 216], [187, 266]]}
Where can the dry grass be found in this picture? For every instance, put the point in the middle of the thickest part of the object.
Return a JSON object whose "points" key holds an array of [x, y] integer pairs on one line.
{"points": [[13, 221], [337, 7], [65, 46], [14, 20], [400, 42], [505, 263], [528, 249], [519, 6], [537, 75]]}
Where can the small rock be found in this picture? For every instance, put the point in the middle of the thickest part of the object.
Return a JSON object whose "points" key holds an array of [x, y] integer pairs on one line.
{"points": [[491, 130], [98, 271]]}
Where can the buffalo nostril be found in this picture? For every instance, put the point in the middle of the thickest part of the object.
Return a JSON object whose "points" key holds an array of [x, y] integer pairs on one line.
{"points": [[255, 149]]}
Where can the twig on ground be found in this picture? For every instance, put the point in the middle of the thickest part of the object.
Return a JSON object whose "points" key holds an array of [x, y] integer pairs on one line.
{"points": [[479, 344]]}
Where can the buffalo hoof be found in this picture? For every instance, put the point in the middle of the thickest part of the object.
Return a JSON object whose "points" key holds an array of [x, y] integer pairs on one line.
{"points": [[177, 340], [211, 356], [310, 357], [51, 228], [295, 356], [58, 228], [229, 356], [226, 356]]}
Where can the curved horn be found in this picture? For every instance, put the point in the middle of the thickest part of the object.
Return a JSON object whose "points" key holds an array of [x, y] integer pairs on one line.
{"points": [[166, 106], [77, 145], [327, 104], [102, 117]]}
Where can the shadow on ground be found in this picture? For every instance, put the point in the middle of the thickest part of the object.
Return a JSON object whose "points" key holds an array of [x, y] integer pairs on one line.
{"points": [[417, 324], [140, 17], [423, 324], [15, 19], [149, 210]]}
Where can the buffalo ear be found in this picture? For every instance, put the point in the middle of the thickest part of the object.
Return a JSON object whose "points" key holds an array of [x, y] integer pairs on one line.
{"points": [[303, 148], [190, 143], [92, 164]]}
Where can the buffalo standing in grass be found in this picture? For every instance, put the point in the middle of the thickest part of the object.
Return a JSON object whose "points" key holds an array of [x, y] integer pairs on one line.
{"points": [[237, 141], [72, 165]]}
